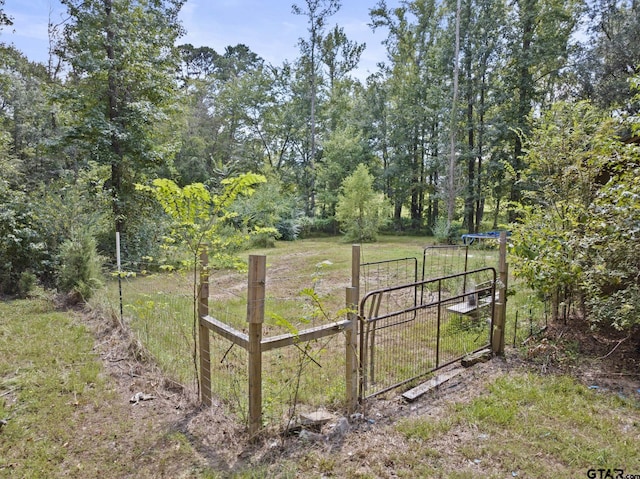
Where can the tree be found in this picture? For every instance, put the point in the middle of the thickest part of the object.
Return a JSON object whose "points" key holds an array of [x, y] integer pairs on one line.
{"points": [[539, 35], [415, 93], [451, 184], [609, 256], [28, 118], [5, 20], [199, 218], [317, 13], [361, 211], [574, 242], [608, 64], [480, 61], [343, 152], [121, 90]]}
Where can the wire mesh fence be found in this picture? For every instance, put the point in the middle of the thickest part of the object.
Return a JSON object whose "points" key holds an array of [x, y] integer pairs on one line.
{"points": [[398, 346], [527, 315], [229, 376], [159, 309], [387, 273], [303, 378]]}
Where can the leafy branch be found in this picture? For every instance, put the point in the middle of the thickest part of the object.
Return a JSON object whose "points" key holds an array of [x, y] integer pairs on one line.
{"points": [[198, 219]]}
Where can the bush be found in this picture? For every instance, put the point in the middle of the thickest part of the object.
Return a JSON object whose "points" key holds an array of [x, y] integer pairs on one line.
{"points": [[22, 244], [446, 233], [270, 207], [361, 211], [609, 251], [26, 283], [577, 241], [80, 266]]}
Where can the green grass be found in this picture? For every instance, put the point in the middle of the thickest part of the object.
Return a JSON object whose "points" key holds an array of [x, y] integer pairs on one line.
{"points": [[160, 311], [61, 418], [66, 419], [524, 425], [532, 426]]}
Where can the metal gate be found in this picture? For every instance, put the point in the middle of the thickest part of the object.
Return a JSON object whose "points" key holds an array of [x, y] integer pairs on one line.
{"points": [[409, 331]]}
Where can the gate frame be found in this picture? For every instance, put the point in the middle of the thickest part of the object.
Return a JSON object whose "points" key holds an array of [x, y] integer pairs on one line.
{"points": [[366, 339], [499, 305]]}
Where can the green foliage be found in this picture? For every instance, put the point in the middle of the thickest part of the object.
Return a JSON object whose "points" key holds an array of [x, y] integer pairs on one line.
{"points": [[22, 245], [609, 249], [199, 217], [80, 266], [445, 232], [578, 235], [26, 284], [342, 153], [121, 96], [360, 210], [270, 213]]}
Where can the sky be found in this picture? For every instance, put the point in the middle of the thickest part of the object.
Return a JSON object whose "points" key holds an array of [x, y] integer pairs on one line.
{"points": [[267, 27]]}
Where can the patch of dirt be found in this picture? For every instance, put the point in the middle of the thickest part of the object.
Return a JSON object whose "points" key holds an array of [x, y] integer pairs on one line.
{"points": [[602, 359], [606, 360]]}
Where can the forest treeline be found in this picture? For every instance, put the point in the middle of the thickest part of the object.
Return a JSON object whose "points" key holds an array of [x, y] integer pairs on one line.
{"points": [[482, 114]]}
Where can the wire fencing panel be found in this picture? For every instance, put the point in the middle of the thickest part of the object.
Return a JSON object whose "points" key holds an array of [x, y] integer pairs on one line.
{"points": [[310, 374], [228, 364], [302, 378], [443, 260], [527, 316], [398, 346], [388, 273], [158, 309]]}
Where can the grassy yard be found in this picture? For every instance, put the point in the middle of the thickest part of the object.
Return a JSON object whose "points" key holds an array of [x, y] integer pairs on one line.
{"points": [[159, 310], [66, 412], [65, 417]]}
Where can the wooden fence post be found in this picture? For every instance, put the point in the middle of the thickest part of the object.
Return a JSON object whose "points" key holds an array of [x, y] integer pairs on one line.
{"points": [[497, 341], [355, 271], [351, 363], [355, 283], [255, 318], [203, 331]]}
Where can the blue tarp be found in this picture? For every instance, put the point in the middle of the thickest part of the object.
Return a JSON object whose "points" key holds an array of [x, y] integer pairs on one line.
{"points": [[471, 237]]}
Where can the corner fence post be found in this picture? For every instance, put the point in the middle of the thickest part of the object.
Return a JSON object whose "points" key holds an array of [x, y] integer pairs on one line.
{"points": [[351, 364], [255, 318], [203, 331], [497, 341], [354, 298]]}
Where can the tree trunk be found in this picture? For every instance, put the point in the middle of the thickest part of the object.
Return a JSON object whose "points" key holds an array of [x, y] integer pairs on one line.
{"points": [[479, 195], [525, 93], [451, 193]]}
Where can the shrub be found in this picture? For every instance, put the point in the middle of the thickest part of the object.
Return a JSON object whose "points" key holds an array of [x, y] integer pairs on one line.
{"points": [[361, 211], [26, 283], [577, 241], [22, 244], [80, 266], [445, 232], [272, 211]]}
